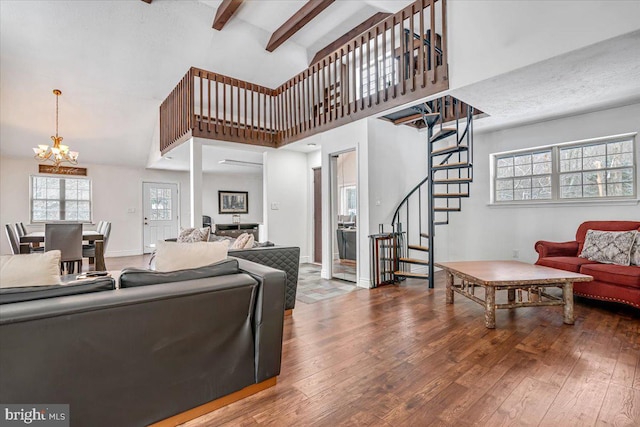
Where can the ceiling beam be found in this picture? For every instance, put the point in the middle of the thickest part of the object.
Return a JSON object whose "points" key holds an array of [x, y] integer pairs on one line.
{"points": [[225, 12], [351, 34], [299, 19]]}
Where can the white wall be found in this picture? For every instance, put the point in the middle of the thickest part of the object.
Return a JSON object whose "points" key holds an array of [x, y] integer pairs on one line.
{"points": [[488, 38], [213, 182], [286, 186], [482, 232], [115, 191], [347, 137]]}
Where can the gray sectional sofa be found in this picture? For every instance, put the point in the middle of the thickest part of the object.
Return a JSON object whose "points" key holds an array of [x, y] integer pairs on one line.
{"points": [[159, 346]]}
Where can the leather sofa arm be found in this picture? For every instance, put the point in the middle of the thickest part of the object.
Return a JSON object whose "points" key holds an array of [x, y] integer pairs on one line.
{"points": [[268, 318], [551, 249]]}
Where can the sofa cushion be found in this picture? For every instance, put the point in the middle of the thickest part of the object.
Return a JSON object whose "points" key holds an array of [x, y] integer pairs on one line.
{"points": [[617, 274], [171, 256], [41, 269], [132, 277], [609, 247], [567, 263], [29, 293]]}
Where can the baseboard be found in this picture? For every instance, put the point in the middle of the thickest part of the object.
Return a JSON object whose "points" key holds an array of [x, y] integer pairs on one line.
{"points": [[364, 282], [199, 411], [305, 259], [115, 254]]}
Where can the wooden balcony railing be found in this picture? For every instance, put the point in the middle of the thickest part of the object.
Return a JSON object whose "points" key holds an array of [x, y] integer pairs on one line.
{"points": [[401, 59]]}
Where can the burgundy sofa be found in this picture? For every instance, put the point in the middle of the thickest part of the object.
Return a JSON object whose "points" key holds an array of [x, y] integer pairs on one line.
{"points": [[610, 282]]}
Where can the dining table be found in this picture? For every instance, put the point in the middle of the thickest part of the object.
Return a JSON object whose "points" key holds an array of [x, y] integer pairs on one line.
{"points": [[93, 237]]}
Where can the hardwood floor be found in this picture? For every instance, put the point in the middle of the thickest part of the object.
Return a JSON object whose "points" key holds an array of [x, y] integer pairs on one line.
{"points": [[397, 355]]}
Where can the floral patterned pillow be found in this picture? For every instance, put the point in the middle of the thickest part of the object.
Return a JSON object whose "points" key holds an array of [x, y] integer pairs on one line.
{"points": [[609, 247], [191, 235]]}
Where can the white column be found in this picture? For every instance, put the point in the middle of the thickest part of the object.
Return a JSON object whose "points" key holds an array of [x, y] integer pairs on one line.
{"points": [[195, 181]]}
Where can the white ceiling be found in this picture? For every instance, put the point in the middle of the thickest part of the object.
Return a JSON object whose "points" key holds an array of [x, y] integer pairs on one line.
{"points": [[116, 61]]}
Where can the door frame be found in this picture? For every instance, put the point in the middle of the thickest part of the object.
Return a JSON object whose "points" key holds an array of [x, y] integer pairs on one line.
{"points": [[315, 235], [179, 206], [332, 215]]}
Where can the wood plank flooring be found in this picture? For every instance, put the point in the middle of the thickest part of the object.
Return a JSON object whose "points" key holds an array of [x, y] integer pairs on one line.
{"points": [[398, 356]]}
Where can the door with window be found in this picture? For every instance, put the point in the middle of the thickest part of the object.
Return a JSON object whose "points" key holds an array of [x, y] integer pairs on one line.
{"points": [[160, 213]]}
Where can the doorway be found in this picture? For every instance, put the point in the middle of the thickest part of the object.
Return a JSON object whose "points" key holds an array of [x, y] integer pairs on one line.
{"points": [[344, 215], [160, 213], [317, 215]]}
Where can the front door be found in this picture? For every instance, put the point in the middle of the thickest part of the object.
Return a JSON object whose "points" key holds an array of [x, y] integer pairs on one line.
{"points": [[160, 213]]}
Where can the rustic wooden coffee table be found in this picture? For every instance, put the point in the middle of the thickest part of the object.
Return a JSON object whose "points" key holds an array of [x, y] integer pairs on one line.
{"points": [[512, 276]]}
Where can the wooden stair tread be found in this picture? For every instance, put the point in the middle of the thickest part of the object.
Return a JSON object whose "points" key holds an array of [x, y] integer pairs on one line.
{"points": [[449, 149], [441, 223], [442, 134], [418, 248], [446, 195], [409, 274], [415, 261], [452, 180], [446, 209], [452, 165]]}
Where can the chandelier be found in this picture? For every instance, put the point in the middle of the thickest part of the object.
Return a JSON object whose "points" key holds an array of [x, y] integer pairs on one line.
{"points": [[58, 153]]}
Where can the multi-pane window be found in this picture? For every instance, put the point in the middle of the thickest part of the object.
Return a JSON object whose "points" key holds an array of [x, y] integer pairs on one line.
{"points": [[385, 76], [603, 168], [160, 204], [598, 170], [60, 199], [524, 176]]}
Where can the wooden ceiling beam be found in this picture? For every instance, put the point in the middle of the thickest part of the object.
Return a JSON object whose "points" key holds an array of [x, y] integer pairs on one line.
{"points": [[225, 12], [299, 19], [349, 35]]}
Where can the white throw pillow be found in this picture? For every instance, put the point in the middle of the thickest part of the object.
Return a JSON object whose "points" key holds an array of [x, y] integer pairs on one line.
{"points": [[18, 271], [171, 256], [609, 247]]}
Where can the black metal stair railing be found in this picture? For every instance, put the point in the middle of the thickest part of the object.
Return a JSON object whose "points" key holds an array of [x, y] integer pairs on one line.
{"points": [[450, 172]]}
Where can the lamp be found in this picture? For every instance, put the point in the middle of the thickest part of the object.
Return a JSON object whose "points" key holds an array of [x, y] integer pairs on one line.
{"points": [[58, 153]]}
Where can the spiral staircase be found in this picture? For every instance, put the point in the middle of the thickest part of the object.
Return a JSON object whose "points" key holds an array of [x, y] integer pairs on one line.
{"points": [[449, 124]]}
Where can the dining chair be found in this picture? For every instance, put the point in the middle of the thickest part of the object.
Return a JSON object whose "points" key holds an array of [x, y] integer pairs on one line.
{"points": [[67, 238], [89, 251], [13, 239]]}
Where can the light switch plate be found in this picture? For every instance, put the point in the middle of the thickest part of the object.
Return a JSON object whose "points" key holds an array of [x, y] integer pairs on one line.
{"points": [[275, 206]]}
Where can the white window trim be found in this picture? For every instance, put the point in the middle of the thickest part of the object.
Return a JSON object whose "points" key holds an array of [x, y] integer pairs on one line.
{"points": [[630, 200], [31, 220]]}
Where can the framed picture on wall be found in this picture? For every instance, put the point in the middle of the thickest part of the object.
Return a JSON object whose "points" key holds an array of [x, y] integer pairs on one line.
{"points": [[233, 202]]}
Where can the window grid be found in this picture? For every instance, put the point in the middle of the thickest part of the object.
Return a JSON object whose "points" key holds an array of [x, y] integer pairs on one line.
{"points": [[60, 199], [576, 171], [160, 204]]}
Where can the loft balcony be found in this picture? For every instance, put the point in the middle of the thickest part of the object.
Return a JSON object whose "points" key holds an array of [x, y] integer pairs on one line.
{"points": [[401, 59]]}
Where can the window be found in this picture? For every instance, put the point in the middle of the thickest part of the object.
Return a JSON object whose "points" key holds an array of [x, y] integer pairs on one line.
{"points": [[161, 204], [385, 76], [60, 199], [349, 200], [597, 169]]}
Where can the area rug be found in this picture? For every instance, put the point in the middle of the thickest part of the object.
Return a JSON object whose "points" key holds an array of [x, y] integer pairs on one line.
{"points": [[312, 288]]}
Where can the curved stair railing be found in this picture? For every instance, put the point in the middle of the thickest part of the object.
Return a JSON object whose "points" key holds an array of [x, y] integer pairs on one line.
{"points": [[450, 173]]}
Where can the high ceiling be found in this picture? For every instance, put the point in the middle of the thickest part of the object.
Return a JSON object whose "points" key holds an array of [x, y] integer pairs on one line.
{"points": [[116, 61]]}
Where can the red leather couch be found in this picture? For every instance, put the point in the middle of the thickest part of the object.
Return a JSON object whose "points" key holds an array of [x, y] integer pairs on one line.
{"points": [[610, 282]]}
